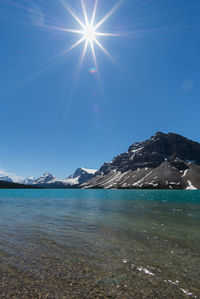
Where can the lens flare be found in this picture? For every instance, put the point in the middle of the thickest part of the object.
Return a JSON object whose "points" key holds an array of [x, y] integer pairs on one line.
{"points": [[92, 70]]}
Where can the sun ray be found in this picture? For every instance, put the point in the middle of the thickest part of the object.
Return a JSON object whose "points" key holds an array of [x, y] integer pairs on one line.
{"points": [[107, 16], [94, 12], [104, 50], [106, 34], [75, 45], [93, 54], [71, 30], [84, 51], [85, 13], [73, 14]]}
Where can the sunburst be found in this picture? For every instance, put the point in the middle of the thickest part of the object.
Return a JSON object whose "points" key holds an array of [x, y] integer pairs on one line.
{"points": [[89, 30]]}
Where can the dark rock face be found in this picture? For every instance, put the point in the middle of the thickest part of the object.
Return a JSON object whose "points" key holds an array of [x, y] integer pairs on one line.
{"points": [[168, 156], [153, 152]]}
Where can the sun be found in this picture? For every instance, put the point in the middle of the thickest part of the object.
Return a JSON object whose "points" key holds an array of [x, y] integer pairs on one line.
{"points": [[89, 32]]}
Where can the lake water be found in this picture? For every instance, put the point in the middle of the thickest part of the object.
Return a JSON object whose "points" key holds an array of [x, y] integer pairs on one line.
{"points": [[99, 244]]}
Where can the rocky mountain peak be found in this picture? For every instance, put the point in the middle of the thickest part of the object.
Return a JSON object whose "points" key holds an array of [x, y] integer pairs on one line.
{"points": [[45, 179], [163, 161], [47, 174], [154, 151], [83, 174], [158, 135], [78, 172]]}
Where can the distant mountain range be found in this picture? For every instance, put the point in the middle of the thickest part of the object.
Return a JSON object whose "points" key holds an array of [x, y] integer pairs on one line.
{"points": [[165, 161], [47, 180]]}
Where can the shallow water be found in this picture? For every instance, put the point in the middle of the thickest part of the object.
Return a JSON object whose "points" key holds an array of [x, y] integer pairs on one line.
{"points": [[99, 244]]}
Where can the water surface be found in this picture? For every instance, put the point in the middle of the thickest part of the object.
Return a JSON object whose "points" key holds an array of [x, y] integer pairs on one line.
{"points": [[99, 244]]}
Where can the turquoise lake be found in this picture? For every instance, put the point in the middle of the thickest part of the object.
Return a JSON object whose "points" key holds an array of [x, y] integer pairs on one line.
{"points": [[99, 244]]}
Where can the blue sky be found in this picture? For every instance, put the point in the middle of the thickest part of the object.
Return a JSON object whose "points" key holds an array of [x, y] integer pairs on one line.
{"points": [[56, 116]]}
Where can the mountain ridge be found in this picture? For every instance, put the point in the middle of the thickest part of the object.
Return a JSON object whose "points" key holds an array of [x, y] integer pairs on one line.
{"points": [[80, 176], [164, 161]]}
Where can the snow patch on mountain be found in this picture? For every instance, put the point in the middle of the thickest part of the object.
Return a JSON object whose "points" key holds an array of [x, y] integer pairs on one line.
{"points": [[190, 186], [91, 171], [71, 181]]}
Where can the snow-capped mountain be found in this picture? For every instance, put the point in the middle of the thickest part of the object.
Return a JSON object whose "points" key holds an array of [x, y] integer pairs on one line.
{"points": [[80, 176], [6, 179], [27, 181], [165, 161], [46, 178]]}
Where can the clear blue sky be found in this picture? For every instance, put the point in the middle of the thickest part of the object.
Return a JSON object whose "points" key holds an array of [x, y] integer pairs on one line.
{"points": [[55, 117]]}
